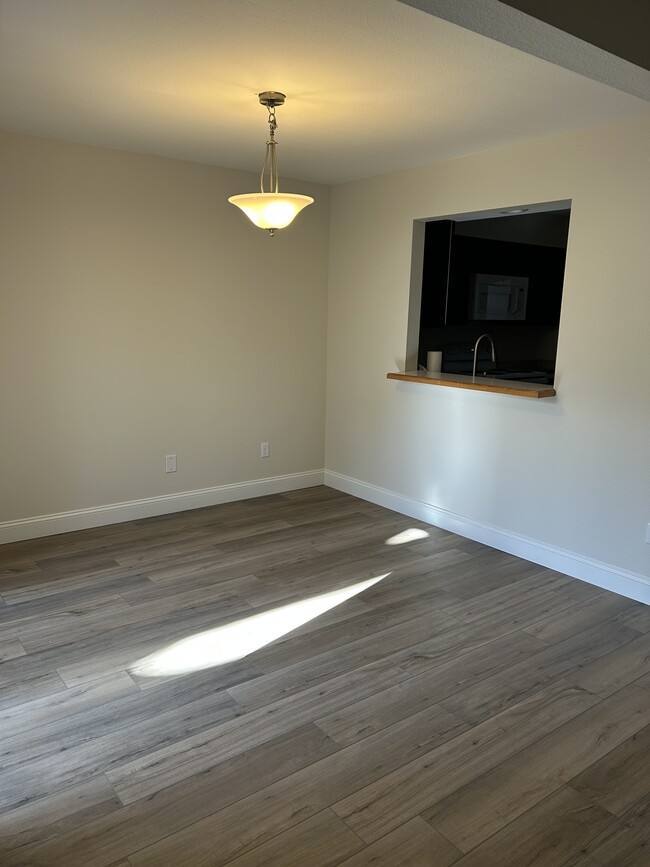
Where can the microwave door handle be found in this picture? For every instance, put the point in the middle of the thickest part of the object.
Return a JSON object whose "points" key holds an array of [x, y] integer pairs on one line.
{"points": [[514, 302]]}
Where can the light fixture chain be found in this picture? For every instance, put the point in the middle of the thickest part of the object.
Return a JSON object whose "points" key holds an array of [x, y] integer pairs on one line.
{"points": [[270, 158], [273, 124]]}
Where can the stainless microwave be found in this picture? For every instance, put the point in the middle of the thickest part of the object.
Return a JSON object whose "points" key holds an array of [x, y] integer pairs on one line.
{"points": [[498, 297]]}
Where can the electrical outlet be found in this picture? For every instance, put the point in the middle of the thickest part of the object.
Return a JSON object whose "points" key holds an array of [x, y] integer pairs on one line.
{"points": [[265, 450], [647, 535], [170, 463]]}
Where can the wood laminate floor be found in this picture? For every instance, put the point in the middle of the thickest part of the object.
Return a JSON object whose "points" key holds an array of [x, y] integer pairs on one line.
{"points": [[470, 708]]}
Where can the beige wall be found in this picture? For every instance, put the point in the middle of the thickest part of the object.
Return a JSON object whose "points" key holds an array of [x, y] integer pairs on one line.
{"points": [[571, 472], [141, 315]]}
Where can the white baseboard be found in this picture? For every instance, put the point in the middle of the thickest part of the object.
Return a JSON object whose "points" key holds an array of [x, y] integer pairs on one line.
{"points": [[594, 572], [586, 569], [115, 513]]}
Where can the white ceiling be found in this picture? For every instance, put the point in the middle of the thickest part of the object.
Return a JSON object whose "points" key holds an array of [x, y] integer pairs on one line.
{"points": [[372, 85]]}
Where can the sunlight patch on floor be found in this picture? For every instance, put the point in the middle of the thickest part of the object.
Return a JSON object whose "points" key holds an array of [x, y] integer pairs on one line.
{"points": [[410, 535], [236, 640]]}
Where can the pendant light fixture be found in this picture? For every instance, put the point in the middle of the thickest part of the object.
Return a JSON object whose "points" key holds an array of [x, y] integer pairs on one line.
{"points": [[270, 209]]}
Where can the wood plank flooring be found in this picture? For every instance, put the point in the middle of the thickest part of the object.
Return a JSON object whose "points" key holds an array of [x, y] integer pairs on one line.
{"points": [[470, 708]]}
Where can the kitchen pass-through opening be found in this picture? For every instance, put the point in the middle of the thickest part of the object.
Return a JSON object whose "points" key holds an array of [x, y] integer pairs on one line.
{"points": [[486, 292]]}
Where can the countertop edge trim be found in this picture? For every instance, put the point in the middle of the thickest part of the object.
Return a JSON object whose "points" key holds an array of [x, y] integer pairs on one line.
{"points": [[507, 386]]}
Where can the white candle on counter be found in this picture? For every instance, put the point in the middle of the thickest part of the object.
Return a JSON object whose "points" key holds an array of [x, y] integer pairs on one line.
{"points": [[434, 362]]}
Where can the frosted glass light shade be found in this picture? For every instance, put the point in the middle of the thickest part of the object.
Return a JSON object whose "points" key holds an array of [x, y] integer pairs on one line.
{"points": [[271, 210]]}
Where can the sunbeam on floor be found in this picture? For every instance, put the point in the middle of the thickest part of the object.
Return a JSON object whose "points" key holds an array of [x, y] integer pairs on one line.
{"points": [[413, 534], [233, 641]]}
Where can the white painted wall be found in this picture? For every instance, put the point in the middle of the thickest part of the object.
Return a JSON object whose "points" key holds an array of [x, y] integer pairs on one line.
{"points": [[570, 473], [141, 315]]}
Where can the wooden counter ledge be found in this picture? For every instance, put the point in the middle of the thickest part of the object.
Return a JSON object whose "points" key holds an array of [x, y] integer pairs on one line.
{"points": [[476, 383]]}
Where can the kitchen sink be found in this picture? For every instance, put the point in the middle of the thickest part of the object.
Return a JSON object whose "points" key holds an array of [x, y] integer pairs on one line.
{"points": [[521, 375], [510, 373]]}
